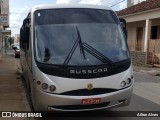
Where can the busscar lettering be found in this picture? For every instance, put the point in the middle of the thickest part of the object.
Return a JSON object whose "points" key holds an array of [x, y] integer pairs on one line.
{"points": [[100, 70], [90, 71], [95, 71], [78, 71], [84, 71], [105, 69], [72, 71]]}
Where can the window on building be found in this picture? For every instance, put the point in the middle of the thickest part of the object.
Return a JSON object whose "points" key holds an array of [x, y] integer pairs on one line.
{"points": [[139, 38], [154, 30], [158, 32]]}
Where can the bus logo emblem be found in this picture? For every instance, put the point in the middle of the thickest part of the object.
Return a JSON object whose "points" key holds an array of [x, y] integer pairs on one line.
{"points": [[89, 86]]}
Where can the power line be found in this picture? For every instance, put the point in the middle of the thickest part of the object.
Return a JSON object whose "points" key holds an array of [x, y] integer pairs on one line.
{"points": [[17, 13], [99, 2], [114, 3], [111, 2], [14, 27], [117, 3], [15, 20]]}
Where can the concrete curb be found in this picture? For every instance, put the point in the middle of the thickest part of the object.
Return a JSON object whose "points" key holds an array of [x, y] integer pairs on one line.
{"points": [[150, 72]]}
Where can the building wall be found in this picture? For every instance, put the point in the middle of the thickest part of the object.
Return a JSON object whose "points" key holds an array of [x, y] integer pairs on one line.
{"points": [[133, 2], [16, 38], [138, 58], [132, 33], [145, 19], [131, 37], [153, 14], [1, 43], [156, 22], [4, 10], [0, 46], [129, 3]]}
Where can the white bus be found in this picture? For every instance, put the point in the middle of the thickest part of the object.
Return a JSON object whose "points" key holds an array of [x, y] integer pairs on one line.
{"points": [[75, 58]]}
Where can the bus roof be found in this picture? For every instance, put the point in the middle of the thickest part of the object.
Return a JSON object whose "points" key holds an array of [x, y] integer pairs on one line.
{"points": [[52, 6]]}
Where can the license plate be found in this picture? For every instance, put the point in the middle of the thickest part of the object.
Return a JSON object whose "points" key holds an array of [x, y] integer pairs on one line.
{"points": [[91, 101]]}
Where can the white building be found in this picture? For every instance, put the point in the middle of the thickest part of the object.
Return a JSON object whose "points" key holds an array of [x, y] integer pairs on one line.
{"points": [[4, 23], [16, 38], [143, 25]]}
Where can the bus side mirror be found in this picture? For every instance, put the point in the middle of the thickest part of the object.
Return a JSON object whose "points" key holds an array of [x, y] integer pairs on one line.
{"points": [[26, 29], [123, 25]]}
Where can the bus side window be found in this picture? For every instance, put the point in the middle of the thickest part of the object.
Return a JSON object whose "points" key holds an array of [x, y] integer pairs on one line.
{"points": [[26, 30], [21, 37]]}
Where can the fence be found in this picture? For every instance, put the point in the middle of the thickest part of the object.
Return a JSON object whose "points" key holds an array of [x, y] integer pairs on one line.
{"points": [[136, 45], [154, 51], [131, 45]]}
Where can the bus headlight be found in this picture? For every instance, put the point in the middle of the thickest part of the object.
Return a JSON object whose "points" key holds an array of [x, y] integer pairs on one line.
{"points": [[44, 86], [52, 88], [128, 81], [123, 83]]}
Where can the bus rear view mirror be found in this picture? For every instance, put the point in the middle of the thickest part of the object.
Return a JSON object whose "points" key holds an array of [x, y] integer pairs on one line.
{"points": [[123, 25], [123, 22], [25, 33]]}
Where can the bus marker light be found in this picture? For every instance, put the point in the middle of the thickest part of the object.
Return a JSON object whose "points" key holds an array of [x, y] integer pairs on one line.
{"points": [[131, 76], [38, 82]]}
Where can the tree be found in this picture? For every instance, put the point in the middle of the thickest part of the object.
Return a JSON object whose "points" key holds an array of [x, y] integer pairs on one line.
{"points": [[11, 40]]}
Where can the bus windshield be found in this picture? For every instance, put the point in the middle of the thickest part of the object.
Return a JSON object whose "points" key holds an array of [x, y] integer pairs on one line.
{"points": [[78, 37]]}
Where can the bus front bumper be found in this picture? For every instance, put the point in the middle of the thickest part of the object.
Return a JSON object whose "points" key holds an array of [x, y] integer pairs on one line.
{"points": [[43, 101]]}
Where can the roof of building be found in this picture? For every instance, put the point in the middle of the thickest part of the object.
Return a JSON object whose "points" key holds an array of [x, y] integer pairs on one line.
{"points": [[143, 6]]}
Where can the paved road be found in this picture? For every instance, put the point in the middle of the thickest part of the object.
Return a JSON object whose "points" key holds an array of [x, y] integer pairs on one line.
{"points": [[12, 95]]}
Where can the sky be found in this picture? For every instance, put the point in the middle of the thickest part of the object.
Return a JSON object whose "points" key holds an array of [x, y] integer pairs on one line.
{"points": [[20, 8]]}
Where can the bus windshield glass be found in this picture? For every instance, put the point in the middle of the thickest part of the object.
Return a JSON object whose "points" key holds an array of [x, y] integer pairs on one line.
{"points": [[78, 37]]}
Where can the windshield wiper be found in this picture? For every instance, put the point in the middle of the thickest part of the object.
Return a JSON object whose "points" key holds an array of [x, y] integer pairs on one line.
{"points": [[47, 55], [96, 54], [81, 44], [78, 41], [88, 48]]}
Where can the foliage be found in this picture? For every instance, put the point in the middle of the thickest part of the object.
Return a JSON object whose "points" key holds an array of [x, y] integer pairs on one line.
{"points": [[11, 40]]}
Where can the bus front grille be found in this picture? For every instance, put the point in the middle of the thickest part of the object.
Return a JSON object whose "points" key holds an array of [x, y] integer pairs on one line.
{"points": [[81, 107], [86, 92]]}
